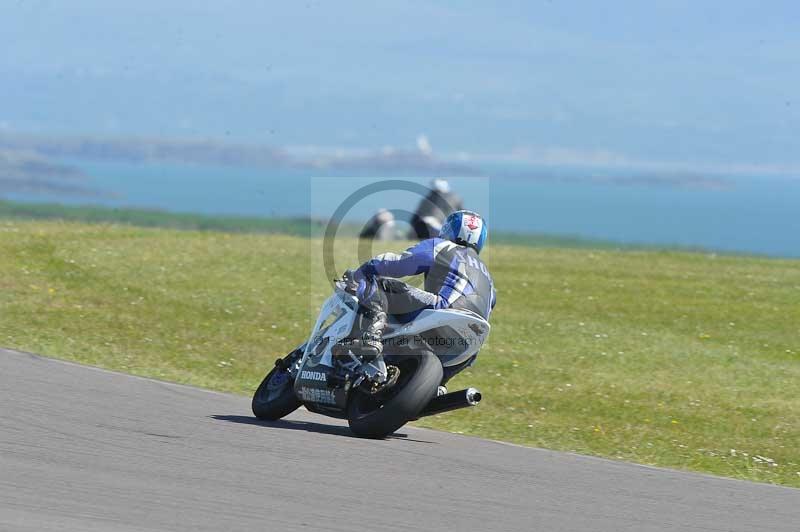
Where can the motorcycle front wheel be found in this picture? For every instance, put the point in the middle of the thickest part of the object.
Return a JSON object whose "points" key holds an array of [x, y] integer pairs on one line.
{"points": [[377, 416], [275, 397]]}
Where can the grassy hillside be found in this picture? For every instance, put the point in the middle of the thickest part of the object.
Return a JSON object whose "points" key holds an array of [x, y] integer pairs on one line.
{"points": [[675, 359], [11, 210]]}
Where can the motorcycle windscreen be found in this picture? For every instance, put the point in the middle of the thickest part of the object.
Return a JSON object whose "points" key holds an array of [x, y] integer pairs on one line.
{"points": [[316, 381], [335, 322]]}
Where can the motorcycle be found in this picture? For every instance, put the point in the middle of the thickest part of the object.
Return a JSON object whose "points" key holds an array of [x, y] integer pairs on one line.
{"points": [[377, 395]]}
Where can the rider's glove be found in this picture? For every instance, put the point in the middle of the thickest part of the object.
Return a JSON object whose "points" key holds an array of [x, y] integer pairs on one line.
{"points": [[349, 277]]}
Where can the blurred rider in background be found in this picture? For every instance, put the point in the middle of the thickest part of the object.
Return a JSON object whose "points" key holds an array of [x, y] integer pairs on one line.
{"points": [[432, 211], [381, 226]]}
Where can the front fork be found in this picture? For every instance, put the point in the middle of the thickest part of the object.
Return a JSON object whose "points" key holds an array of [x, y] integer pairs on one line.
{"points": [[291, 362]]}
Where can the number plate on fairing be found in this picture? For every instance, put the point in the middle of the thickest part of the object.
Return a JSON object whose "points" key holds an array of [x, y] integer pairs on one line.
{"points": [[317, 386]]}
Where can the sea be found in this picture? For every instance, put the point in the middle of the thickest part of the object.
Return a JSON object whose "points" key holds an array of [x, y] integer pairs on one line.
{"points": [[739, 214]]}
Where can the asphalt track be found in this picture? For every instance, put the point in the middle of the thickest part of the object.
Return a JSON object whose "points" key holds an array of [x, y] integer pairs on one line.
{"points": [[88, 450]]}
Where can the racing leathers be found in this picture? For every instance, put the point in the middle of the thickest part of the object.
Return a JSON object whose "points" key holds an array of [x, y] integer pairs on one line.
{"points": [[455, 277]]}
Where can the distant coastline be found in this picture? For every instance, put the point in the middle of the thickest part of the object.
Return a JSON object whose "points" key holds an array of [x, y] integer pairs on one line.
{"points": [[29, 172], [31, 163], [737, 213]]}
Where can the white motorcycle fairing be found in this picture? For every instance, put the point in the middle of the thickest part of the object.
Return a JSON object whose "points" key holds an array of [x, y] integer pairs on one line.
{"points": [[453, 335]]}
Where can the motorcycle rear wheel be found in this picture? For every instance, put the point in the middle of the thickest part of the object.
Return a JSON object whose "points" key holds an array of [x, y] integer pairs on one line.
{"points": [[275, 397], [377, 416]]}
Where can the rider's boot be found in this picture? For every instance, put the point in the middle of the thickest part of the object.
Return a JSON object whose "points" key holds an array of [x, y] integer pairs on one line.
{"points": [[373, 322], [370, 344]]}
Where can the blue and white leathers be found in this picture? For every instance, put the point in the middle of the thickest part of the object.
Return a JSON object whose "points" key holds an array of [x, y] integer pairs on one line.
{"points": [[455, 276]]}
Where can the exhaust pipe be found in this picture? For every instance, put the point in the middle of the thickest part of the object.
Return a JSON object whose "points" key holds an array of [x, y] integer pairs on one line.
{"points": [[452, 401]]}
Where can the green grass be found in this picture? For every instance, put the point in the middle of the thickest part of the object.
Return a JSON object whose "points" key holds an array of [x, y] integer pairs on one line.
{"points": [[11, 210], [682, 360], [158, 218]]}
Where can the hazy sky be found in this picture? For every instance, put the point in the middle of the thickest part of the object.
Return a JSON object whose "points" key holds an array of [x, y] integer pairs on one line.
{"points": [[658, 83]]}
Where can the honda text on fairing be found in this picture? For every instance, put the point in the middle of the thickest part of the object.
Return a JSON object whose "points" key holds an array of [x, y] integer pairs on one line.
{"points": [[381, 351]]}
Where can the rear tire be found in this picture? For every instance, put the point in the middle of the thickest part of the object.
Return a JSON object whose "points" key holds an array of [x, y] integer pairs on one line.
{"points": [[275, 397], [380, 415]]}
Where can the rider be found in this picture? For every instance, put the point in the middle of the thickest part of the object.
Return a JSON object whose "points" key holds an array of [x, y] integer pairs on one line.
{"points": [[455, 277], [434, 208]]}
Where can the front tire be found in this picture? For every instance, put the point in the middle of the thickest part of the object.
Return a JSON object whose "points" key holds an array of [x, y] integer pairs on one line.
{"points": [[377, 416], [275, 397]]}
